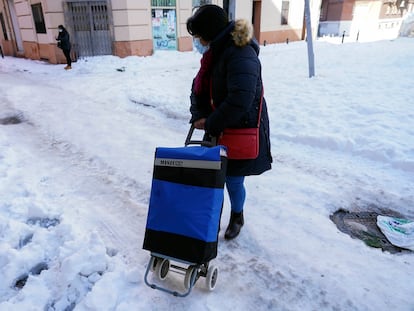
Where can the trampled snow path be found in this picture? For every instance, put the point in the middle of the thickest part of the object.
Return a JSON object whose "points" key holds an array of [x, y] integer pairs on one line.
{"points": [[64, 173], [73, 194]]}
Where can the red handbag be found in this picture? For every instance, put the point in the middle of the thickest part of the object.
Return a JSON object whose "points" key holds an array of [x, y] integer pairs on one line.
{"points": [[243, 143]]}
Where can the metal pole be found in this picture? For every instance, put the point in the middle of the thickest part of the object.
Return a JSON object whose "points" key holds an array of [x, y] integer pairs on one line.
{"points": [[311, 61]]}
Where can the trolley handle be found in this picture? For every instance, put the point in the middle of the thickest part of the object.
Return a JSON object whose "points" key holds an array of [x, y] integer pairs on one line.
{"points": [[206, 143]]}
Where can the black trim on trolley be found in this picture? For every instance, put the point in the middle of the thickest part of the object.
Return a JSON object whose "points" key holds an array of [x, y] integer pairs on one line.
{"points": [[179, 246], [208, 178]]}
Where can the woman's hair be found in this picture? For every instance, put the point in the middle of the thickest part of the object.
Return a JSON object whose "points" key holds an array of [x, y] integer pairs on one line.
{"points": [[207, 22]]}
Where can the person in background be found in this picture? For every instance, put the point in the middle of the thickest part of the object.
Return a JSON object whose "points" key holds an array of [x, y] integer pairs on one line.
{"points": [[63, 42], [230, 77]]}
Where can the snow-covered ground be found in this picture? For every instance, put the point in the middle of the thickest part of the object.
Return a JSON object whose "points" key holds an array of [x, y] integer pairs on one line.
{"points": [[75, 180]]}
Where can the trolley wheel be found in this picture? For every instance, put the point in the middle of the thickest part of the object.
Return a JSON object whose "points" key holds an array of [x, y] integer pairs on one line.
{"points": [[211, 278], [161, 268], [190, 277]]}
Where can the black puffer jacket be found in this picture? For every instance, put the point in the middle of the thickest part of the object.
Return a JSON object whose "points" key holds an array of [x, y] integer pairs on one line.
{"points": [[64, 40], [236, 92]]}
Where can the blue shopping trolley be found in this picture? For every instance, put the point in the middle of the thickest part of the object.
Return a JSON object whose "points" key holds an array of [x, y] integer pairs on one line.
{"points": [[184, 213]]}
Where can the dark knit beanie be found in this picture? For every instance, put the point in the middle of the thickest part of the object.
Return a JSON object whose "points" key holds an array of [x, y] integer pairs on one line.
{"points": [[207, 22]]}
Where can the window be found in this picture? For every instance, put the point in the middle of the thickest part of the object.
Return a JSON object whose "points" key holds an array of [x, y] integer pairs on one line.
{"points": [[197, 3], [164, 3], [164, 29], [164, 22], [3, 27], [285, 13], [38, 18]]}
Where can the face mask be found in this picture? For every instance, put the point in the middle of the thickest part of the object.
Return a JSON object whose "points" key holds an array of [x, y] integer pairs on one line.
{"points": [[60, 30], [199, 47]]}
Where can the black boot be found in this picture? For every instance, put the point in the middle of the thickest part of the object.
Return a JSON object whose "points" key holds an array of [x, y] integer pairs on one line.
{"points": [[235, 224]]}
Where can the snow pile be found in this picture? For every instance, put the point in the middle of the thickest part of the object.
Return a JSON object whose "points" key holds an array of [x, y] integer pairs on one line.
{"points": [[407, 26]]}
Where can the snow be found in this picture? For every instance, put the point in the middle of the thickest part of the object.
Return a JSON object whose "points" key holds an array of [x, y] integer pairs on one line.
{"points": [[407, 25], [75, 180]]}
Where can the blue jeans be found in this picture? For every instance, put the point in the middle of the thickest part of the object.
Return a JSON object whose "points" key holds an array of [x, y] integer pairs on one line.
{"points": [[237, 192]]}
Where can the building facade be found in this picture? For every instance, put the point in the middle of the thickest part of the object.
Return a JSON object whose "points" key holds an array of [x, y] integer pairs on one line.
{"points": [[134, 27], [365, 20]]}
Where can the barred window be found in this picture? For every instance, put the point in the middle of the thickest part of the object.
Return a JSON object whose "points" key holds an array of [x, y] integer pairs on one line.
{"points": [[38, 18], [163, 3]]}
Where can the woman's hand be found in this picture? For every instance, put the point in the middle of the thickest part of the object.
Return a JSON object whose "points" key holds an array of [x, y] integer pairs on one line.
{"points": [[199, 124]]}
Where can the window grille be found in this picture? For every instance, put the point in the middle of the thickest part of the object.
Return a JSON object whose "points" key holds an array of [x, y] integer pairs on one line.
{"points": [[163, 3]]}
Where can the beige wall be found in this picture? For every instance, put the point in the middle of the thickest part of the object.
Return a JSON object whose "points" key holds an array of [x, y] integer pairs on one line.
{"points": [[132, 24], [132, 20], [25, 20], [271, 15], [273, 31], [53, 11], [368, 25], [315, 6], [244, 9], [53, 15], [36, 45], [184, 11], [270, 20]]}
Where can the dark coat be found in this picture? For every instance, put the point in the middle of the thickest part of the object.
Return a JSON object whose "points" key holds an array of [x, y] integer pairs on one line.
{"points": [[236, 93], [64, 40]]}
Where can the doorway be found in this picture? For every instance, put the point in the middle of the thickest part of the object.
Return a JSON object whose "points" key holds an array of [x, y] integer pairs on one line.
{"points": [[90, 23]]}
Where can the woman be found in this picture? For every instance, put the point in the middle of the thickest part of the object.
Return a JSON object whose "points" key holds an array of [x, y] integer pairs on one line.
{"points": [[230, 78], [64, 43]]}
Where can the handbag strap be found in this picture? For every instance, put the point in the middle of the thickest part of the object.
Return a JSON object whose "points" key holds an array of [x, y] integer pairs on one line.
{"points": [[260, 106]]}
